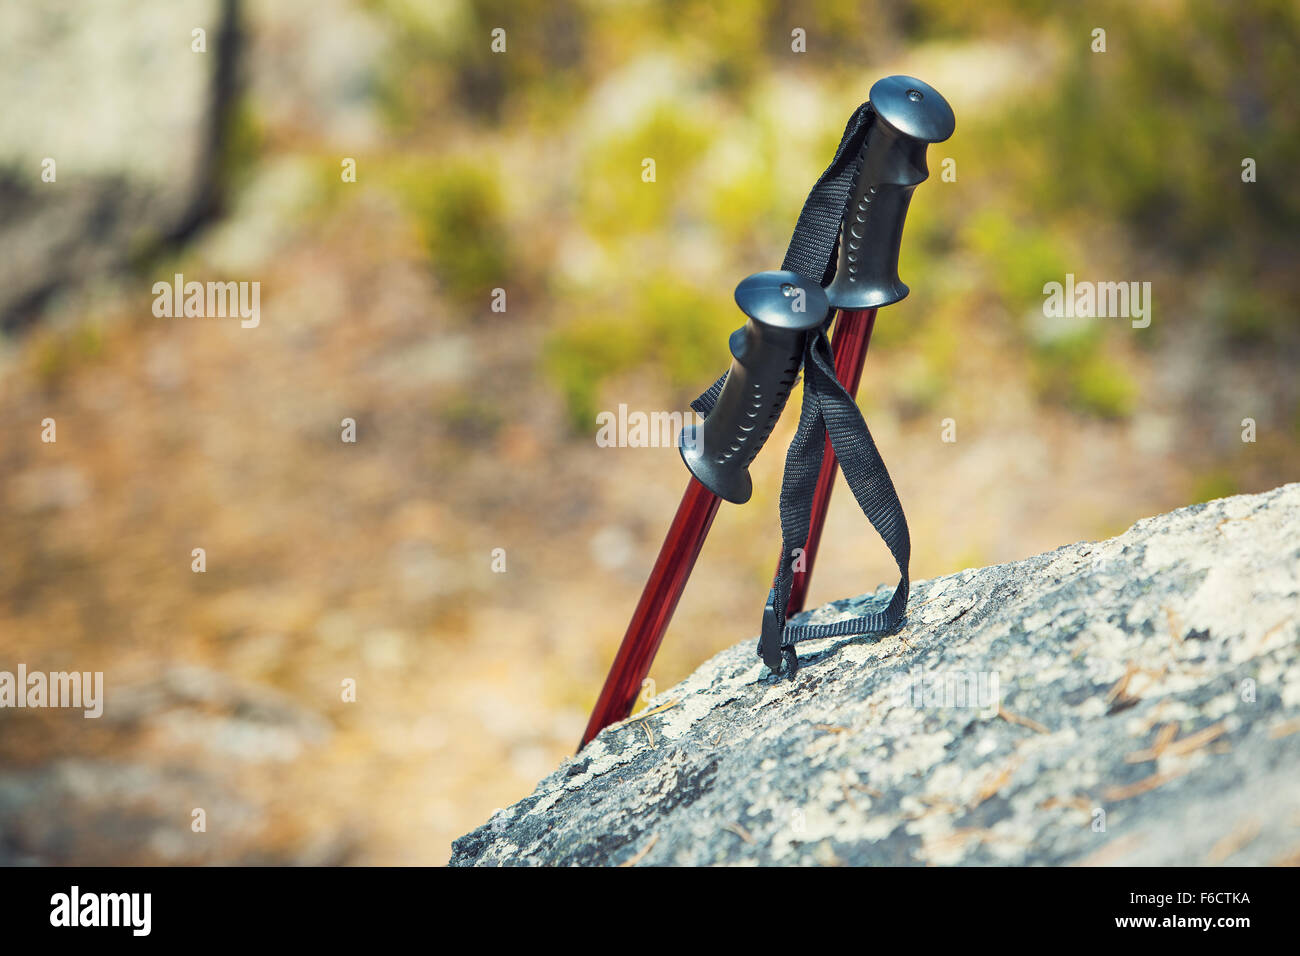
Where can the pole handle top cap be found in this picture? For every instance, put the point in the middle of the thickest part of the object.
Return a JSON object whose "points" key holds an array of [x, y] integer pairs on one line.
{"points": [[780, 299], [913, 108]]}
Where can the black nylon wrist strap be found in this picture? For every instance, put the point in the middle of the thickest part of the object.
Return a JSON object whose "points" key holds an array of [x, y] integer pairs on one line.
{"points": [[827, 409]]}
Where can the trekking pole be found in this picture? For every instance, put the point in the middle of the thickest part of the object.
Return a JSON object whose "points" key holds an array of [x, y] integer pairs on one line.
{"points": [[766, 353], [859, 204], [909, 116]]}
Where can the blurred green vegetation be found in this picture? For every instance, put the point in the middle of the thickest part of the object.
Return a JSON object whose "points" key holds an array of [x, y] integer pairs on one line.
{"points": [[663, 324], [1076, 370], [1122, 165], [1154, 131], [1218, 483], [613, 203], [59, 351], [242, 146], [457, 207]]}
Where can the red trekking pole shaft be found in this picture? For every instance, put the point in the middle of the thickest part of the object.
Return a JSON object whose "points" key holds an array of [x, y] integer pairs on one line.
{"points": [[849, 348], [782, 308], [655, 609]]}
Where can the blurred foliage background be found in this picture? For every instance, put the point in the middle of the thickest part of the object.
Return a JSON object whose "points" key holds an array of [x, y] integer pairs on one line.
{"points": [[522, 170]]}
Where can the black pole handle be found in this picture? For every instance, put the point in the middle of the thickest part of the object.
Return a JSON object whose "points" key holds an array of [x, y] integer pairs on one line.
{"points": [[766, 354], [908, 116]]}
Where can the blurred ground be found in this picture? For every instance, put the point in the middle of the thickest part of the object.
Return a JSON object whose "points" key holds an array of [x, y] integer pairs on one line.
{"points": [[372, 561]]}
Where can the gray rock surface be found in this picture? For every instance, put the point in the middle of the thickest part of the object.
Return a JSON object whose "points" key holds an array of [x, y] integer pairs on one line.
{"points": [[139, 125], [119, 103], [1132, 701]]}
